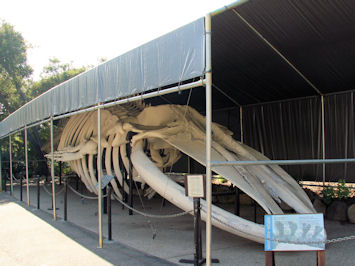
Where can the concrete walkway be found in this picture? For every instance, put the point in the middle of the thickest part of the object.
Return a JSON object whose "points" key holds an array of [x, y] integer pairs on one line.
{"points": [[31, 237], [165, 240]]}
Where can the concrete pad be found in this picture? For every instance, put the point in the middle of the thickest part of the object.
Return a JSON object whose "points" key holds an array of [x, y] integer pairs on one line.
{"points": [[172, 239], [31, 237]]}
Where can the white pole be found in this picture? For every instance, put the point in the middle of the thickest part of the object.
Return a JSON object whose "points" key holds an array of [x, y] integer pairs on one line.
{"points": [[323, 137], [241, 124], [208, 137], [10, 159], [26, 164], [99, 166], [52, 172]]}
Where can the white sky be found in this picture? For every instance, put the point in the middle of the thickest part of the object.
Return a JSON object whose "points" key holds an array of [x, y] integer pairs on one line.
{"points": [[82, 32]]}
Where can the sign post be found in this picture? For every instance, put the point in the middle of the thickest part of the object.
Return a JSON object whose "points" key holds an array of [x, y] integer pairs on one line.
{"points": [[195, 187], [294, 232]]}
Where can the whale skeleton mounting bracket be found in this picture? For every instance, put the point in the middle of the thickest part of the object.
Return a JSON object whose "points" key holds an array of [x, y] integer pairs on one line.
{"points": [[162, 133]]}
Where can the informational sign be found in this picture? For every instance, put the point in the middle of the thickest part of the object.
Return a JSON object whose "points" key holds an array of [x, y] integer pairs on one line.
{"points": [[104, 181], [294, 232], [195, 186]]}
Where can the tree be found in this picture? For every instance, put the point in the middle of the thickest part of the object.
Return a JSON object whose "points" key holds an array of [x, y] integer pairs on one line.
{"points": [[16, 89], [53, 74], [14, 69]]}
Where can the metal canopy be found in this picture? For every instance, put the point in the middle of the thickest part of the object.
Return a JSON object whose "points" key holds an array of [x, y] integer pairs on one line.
{"points": [[171, 59], [318, 38]]}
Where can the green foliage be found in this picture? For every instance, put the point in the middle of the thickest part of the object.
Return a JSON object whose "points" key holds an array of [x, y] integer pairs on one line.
{"points": [[53, 74], [343, 191], [330, 194], [13, 69]]}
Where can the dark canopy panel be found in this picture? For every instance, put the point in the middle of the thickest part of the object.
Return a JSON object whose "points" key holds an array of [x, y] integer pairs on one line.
{"points": [[317, 37]]}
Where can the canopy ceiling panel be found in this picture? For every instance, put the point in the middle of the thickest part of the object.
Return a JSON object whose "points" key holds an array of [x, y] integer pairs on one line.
{"points": [[317, 37], [175, 57]]}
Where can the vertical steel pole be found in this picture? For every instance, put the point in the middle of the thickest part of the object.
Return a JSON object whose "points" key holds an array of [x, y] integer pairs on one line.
{"points": [[10, 160], [26, 164], [323, 137], [241, 124], [208, 137], [99, 166], [52, 172]]}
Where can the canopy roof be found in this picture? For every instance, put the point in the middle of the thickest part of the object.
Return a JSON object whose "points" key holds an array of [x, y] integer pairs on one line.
{"points": [[317, 39]]}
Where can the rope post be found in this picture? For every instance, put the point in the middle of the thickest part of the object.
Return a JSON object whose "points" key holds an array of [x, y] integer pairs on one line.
{"points": [[109, 213], [130, 171], [237, 202], [10, 160], [52, 172], [65, 199], [254, 211], [20, 187], [60, 173], [104, 192], [38, 191], [26, 164], [99, 172]]}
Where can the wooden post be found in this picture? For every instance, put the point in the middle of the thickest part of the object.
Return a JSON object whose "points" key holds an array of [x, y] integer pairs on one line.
{"points": [[269, 258], [321, 258]]}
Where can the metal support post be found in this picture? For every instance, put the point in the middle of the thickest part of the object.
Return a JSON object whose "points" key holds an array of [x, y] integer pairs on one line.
{"points": [[208, 137], [99, 170], [26, 165], [66, 199], [10, 159], [52, 172], [323, 137], [109, 213]]}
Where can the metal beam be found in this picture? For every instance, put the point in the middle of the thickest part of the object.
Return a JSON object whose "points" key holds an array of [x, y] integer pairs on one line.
{"points": [[323, 137], [208, 138], [99, 166], [278, 52], [52, 172], [283, 162]]}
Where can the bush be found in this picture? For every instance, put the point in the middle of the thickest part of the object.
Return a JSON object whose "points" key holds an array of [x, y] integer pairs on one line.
{"points": [[330, 194]]}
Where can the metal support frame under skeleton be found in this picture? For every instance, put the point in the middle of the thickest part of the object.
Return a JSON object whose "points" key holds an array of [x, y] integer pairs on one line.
{"points": [[162, 133]]}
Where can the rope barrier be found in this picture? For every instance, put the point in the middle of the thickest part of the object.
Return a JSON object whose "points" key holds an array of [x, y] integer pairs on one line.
{"points": [[152, 215], [84, 196], [50, 193]]}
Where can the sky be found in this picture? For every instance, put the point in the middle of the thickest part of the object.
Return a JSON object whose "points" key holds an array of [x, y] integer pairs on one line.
{"points": [[82, 32]]}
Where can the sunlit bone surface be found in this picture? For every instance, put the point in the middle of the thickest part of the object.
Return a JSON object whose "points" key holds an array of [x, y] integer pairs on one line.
{"points": [[162, 133]]}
